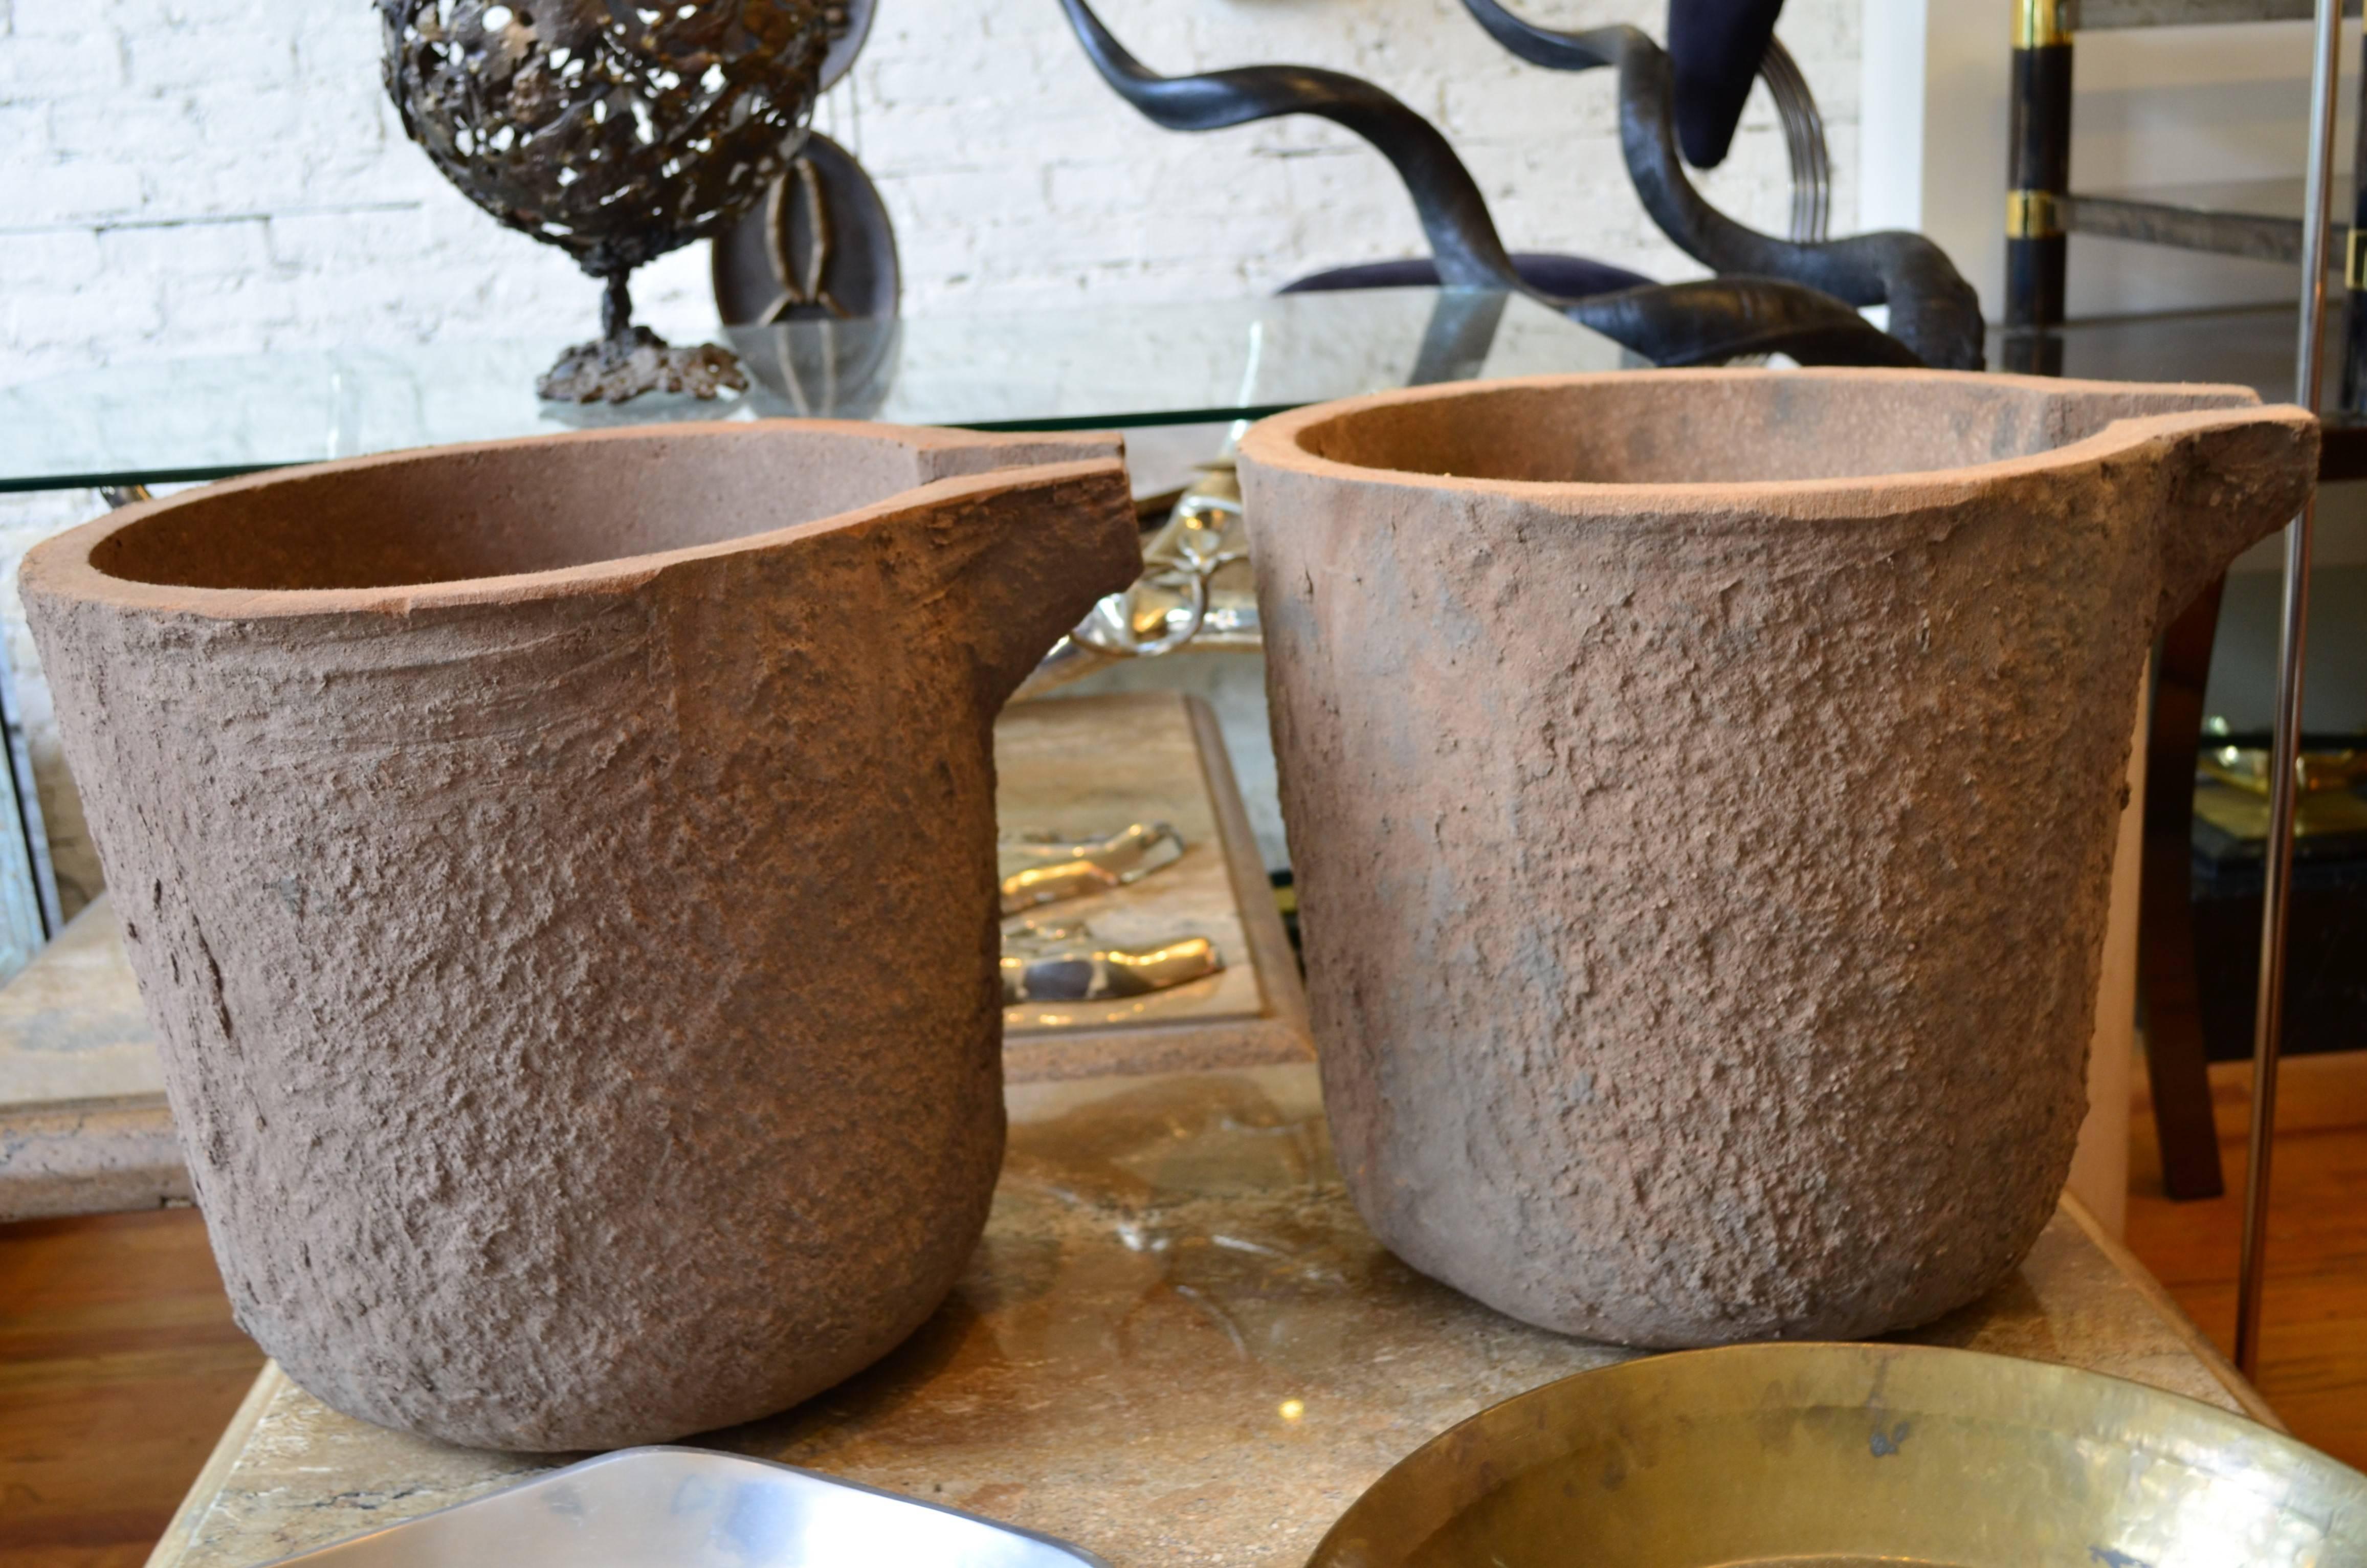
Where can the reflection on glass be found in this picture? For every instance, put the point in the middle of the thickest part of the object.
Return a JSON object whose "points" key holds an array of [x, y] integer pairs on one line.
{"points": [[1098, 365]]}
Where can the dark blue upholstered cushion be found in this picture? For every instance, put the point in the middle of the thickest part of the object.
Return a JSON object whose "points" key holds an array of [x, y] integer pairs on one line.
{"points": [[1716, 47]]}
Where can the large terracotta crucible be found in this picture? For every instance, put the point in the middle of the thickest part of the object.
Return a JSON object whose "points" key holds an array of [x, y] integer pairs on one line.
{"points": [[1703, 788], [561, 877]]}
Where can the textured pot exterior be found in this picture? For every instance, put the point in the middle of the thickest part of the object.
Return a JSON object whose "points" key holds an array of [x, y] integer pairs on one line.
{"points": [[1703, 811], [577, 986]]}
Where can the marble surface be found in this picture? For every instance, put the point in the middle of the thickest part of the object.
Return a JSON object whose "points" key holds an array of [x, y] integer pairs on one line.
{"points": [[1177, 1344], [1085, 768], [71, 1025], [1148, 771], [84, 1128]]}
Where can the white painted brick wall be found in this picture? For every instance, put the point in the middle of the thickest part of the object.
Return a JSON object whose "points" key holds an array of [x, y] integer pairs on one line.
{"points": [[183, 177]]}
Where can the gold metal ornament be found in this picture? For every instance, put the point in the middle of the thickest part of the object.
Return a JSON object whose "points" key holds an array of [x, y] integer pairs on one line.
{"points": [[615, 129], [1849, 1456]]}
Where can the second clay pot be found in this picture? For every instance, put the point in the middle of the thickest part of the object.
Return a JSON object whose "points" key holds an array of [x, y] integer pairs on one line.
{"points": [[1702, 790]]}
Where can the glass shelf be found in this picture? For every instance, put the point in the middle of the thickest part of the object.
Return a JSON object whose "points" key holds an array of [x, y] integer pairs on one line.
{"points": [[1093, 366], [2256, 218], [2092, 16], [2250, 345]]}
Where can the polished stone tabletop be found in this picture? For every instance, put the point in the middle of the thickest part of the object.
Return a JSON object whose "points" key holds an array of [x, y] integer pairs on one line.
{"points": [[84, 1127], [1177, 1344]]}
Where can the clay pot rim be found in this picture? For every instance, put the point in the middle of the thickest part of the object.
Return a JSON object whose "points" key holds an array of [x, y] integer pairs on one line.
{"points": [[1276, 442], [61, 566]]}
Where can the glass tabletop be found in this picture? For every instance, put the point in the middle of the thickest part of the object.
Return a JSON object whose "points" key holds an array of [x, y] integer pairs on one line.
{"points": [[1091, 366]]}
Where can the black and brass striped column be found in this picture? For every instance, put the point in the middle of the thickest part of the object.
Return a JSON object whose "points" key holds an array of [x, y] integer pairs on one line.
{"points": [[2039, 174]]}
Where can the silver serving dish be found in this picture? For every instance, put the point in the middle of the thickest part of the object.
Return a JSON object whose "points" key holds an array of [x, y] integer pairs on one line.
{"points": [[692, 1508]]}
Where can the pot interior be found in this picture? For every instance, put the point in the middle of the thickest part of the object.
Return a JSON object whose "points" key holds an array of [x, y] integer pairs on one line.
{"points": [[1730, 427], [524, 507]]}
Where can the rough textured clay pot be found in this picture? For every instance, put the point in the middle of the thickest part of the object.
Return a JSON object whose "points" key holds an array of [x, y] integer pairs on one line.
{"points": [[1703, 789], [561, 877]]}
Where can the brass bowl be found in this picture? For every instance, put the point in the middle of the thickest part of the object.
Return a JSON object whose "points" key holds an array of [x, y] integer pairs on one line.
{"points": [[1836, 1456]]}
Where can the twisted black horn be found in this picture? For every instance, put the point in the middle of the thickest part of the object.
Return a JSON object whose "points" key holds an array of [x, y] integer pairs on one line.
{"points": [[1685, 323], [1933, 309]]}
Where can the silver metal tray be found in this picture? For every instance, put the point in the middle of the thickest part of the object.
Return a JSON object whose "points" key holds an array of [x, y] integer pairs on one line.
{"points": [[666, 1508]]}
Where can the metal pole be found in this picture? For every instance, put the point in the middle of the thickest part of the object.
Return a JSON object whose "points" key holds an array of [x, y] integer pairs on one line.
{"points": [[2285, 753]]}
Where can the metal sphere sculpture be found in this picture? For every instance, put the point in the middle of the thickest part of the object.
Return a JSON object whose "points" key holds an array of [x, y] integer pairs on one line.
{"points": [[617, 131]]}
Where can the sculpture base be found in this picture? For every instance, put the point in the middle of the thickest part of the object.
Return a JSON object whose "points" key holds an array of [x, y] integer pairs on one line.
{"points": [[621, 368]]}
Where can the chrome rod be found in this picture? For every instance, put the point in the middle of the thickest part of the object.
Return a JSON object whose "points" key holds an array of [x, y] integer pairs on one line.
{"points": [[1804, 143], [2284, 753]]}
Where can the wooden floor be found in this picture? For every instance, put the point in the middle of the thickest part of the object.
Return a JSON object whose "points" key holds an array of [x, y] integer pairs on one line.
{"points": [[2313, 1322], [119, 1365]]}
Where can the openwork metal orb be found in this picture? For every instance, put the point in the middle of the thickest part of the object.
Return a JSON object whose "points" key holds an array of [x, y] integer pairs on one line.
{"points": [[616, 131]]}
